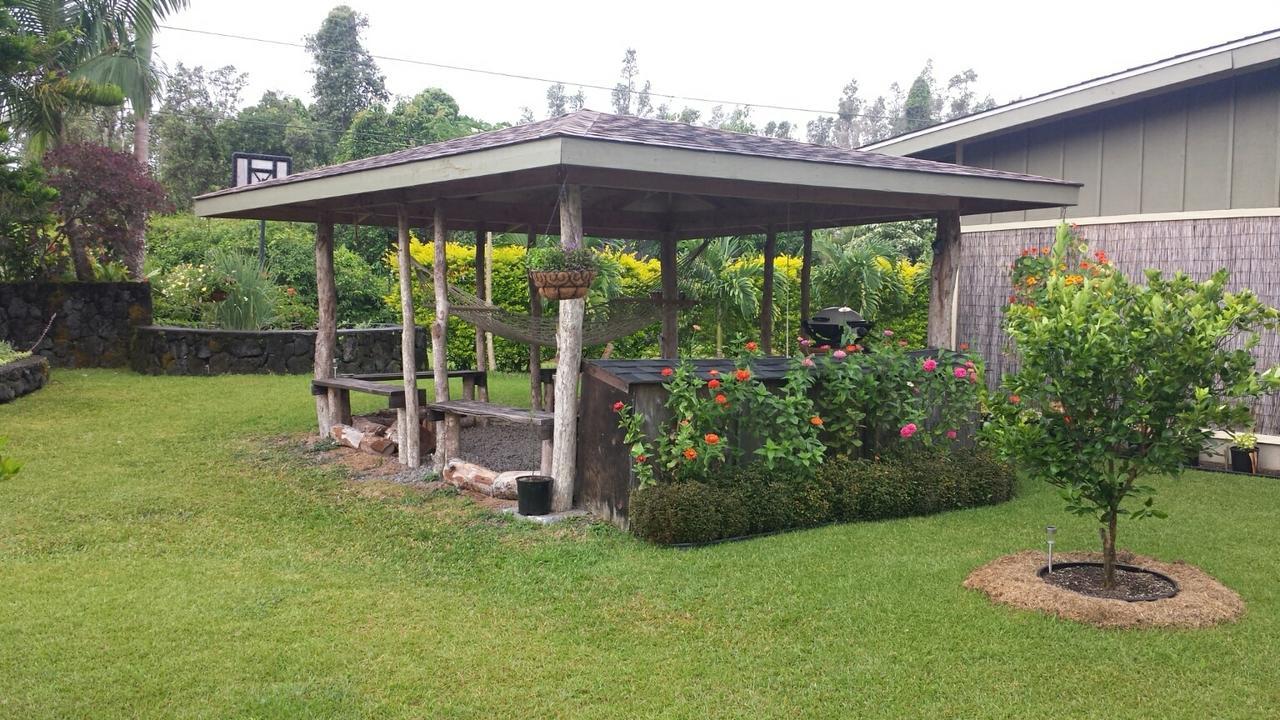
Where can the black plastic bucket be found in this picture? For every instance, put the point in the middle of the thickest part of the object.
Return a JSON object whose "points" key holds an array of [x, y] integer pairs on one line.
{"points": [[1245, 461], [533, 493]]}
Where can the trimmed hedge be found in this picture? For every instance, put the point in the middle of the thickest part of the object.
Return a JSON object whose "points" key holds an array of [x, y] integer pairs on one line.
{"points": [[751, 501]]}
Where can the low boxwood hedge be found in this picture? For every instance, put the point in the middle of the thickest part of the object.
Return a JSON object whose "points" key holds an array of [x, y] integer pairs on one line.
{"points": [[750, 500]]}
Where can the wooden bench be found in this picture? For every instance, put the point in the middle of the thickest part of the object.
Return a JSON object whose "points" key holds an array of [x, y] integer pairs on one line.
{"points": [[451, 413], [339, 388]]}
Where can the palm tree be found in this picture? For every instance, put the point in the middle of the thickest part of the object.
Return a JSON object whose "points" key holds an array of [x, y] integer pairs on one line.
{"points": [[857, 273], [723, 281], [100, 55]]}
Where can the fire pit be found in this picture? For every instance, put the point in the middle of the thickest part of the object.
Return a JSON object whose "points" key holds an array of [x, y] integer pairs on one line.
{"points": [[830, 325]]}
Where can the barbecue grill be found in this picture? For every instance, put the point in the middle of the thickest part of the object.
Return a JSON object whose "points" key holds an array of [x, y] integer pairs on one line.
{"points": [[829, 325]]}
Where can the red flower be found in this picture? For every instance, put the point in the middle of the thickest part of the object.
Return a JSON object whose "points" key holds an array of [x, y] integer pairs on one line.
{"points": [[711, 438], [815, 421], [617, 407], [666, 372], [851, 347], [713, 383], [855, 348], [713, 373], [721, 399], [641, 458], [743, 375], [752, 346], [690, 454], [1015, 399], [964, 347], [1101, 255]]}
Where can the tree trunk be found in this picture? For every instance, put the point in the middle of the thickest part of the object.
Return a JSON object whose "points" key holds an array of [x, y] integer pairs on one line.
{"points": [[439, 340], [1109, 550], [806, 272], [80, 257], [410, 453], [942, 281], [135, 254], [670, 294], [326, 324], [766, 292], [569, 351]]}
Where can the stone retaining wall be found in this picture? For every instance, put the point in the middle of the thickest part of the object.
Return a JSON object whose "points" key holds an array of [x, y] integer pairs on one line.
{"points": [[92, 321], [164, 350], [22, 377]]}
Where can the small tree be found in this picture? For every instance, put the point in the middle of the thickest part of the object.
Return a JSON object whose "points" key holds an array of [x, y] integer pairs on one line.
{"points": [[1118, 381], [103, 197]]}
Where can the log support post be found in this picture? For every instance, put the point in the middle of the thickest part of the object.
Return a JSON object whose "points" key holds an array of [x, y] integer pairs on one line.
{"points": [[670, 296], [766, 294], [408, 416], [535, 350], [447, 429], [943, 281], [480, 293], [569, 350], [328, 404], [806, 273]]}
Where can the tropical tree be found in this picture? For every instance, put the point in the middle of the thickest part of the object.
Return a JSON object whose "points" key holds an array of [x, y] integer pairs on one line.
{"points": [[347, 79], [190, 131], [724, 279], [430, 116], [857, 272], [1120, 381]]}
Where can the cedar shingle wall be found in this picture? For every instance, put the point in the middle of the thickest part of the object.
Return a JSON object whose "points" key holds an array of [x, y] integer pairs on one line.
{"points": [[1248, 247]]}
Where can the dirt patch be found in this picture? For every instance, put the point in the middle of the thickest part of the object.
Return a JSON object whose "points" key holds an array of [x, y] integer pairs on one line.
{"points": [[1201, 601]]}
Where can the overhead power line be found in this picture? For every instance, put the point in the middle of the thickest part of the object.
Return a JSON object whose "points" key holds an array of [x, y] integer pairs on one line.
{"points": [[518, 76]]}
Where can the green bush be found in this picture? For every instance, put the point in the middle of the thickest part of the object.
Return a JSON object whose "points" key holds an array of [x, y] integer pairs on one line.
{"points": [[9, 354], [751, 500]]}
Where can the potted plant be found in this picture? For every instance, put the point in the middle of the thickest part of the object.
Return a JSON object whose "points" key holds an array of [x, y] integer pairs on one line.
{"points": [[561, 274], [1244, 452]]}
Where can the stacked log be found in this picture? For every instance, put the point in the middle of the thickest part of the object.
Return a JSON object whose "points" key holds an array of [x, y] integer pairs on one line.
{"points": [[378, 434]]}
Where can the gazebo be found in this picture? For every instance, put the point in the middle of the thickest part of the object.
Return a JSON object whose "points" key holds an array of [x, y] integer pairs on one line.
{"points": [[611, 176]]}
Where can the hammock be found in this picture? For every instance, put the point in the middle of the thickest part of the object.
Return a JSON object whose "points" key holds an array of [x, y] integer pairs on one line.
{"points": [[605, 322]]}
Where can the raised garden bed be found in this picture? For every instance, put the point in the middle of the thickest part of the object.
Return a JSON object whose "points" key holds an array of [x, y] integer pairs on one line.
{"points": [[23, 377], [1133, 584]]}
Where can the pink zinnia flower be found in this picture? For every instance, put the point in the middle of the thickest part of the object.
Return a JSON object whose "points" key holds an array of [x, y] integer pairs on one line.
{"points": [[930, 365], [951, 434], [960, 372], [888, 333], [804, 342], [839, 354], [807, 362], [908, 430]]}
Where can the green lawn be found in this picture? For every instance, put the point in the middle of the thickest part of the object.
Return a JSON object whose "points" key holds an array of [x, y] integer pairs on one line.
{"points": [[161, 557]]}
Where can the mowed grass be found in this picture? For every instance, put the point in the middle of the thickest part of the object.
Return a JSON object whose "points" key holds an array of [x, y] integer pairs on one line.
{"points": [[160, 556]]}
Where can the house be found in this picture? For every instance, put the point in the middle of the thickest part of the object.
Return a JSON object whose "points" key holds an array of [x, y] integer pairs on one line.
{"points": [[1179, 162]]}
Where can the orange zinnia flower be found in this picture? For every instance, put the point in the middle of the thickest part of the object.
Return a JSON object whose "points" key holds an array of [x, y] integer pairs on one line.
{"points": [[815, 421], [711, 438], [743, 375], [713, 383], [666, 372], [752, 346], [721, 399], [690, 454]]}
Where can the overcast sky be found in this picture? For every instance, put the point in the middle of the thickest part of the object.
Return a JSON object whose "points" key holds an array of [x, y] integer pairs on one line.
{"points": [[797, 54]]}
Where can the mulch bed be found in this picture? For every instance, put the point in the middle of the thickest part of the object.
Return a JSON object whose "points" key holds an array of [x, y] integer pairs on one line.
{"points": [[1201, 601], [1130, 586]]}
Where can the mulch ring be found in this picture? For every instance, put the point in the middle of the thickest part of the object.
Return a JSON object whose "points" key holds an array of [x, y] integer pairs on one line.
{"points": [[1201, 601]]}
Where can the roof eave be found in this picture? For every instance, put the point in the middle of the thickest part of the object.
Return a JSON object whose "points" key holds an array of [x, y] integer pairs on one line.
{"points": [[1128, 86]]}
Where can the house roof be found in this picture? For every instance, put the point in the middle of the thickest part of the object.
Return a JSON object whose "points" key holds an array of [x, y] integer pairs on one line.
{"points": [[1247, 54], [510, 176]]}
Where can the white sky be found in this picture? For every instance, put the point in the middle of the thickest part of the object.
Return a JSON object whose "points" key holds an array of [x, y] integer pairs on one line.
{"points": [[792, 54]]}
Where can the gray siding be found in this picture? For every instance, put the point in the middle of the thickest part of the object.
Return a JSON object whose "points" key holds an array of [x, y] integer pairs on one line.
{"points": [[1211, 147]]}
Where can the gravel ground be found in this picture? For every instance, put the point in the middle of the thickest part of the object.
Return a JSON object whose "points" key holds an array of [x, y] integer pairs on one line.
{"points": [[501, 447]]}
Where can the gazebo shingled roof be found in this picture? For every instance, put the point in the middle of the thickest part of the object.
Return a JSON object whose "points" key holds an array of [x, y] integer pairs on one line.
{"points": [[590, 173], [643, 178]]}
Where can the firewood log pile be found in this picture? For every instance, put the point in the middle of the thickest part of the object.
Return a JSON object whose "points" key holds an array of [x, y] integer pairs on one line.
{"points": [[378, 433]]}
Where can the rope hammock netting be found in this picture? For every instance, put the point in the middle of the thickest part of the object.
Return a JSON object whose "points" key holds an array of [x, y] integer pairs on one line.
{"points": [[604, 322]]}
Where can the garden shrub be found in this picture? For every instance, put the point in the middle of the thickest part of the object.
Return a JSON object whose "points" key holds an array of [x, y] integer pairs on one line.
{"points": [[752, 499]]}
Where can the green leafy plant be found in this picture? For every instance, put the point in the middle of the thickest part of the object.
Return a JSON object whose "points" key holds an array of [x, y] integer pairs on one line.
{"points": [[9, 354], [557, 258], [251, 295], [1245, 440], [8, 466], [1119, 380], [720, 420]]}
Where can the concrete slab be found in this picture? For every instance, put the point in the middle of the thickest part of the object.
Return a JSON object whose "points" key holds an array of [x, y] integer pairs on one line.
{"points": [[548, 518]]}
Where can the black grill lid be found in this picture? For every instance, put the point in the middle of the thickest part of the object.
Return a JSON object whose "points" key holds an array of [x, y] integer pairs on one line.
{"points": [[830, 324]]}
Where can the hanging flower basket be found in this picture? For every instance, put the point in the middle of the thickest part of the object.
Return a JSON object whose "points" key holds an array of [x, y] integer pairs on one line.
{"points": [[562, 284]]}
